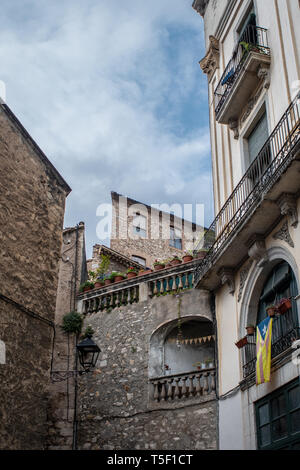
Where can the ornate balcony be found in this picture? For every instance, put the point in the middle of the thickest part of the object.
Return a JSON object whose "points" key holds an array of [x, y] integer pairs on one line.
{"points": [[179, 387], [284, 332], [140, 288], [247, 67], [254, 205]]}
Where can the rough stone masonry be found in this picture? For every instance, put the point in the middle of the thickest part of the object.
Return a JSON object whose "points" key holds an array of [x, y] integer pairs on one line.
{"points": [[115, 409]]}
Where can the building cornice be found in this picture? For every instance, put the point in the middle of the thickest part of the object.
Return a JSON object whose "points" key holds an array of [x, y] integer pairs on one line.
{"points": [[200, 6]]}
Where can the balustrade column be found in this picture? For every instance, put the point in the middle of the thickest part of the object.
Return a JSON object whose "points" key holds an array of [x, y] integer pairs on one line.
{"points": [[170, 389]]}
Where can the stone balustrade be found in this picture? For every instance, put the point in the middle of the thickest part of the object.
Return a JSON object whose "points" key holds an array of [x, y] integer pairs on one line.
{"points": [[183, 386], [140, 288]]}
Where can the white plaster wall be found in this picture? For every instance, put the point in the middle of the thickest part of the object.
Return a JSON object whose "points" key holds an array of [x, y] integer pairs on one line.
{"points": [[229, 367], [277, 97], [231, 423]]}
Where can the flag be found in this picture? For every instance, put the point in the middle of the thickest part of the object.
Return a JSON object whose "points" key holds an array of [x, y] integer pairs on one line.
{"points": [[263, 350]]}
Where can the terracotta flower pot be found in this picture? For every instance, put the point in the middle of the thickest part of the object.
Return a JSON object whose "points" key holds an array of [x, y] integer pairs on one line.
{"points": [[158, 267], [241, 342], [99, 284], [187, 258], [119, 278], [146, 271], [107, 282], [131, 274], [250, 330], [284, 306], [174, 262], [87, 288]]}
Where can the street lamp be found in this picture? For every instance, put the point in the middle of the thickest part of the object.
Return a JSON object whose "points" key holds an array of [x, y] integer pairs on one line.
{"points": [[88, 352]]}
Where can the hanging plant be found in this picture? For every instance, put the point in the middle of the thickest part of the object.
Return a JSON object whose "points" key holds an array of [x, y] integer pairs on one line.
{"points": [[72, 322]]}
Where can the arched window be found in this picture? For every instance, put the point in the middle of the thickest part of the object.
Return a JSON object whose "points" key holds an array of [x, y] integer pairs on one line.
{"points": [[281, 283]]}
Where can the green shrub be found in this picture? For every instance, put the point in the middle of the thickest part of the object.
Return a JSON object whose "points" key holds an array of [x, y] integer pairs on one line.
{"points": [[72, 322]]}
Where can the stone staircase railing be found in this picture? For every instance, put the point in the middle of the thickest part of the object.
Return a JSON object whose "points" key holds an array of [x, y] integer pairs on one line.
{"points": [[183, 386]]}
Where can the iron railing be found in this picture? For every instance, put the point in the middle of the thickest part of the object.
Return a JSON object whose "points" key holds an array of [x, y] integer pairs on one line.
{"points": [[253, 39], [265, 170], [285, 330]]}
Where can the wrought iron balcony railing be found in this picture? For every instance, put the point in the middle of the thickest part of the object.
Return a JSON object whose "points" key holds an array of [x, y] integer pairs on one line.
{"points": [[285, 330], [265, 170], [254, 39]]}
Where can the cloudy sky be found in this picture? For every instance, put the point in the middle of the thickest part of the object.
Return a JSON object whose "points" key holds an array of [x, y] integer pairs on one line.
{"points": [[112, 91]]}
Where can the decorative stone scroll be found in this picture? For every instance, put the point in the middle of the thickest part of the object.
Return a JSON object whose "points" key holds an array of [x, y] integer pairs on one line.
{"points": [[227, 277], [200, 6], [210, 62], [263, 73], [288, 206], [257, 249], [234, 126], [284, 234]]}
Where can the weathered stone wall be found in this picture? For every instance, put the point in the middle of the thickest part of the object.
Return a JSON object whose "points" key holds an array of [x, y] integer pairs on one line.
{"points": [[72, 272], [32, 201], [156, 245], [24, 379], [114, 409]]}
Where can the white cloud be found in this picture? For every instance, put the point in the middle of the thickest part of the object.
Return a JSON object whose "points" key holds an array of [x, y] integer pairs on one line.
{"points": [[108, 89]]}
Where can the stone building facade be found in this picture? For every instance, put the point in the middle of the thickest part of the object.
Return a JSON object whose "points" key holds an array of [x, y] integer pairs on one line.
{"points": [[133, 399], [32, 203], [118, 262], [61, 413], [144, 233]]}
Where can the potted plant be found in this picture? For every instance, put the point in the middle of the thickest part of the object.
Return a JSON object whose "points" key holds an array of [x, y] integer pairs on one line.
{"points": [[271, 310], [188, 256], [284, 305], [86, 286], [250, 330], [198, 365], [144, 271], [108, 280], [241, 342], [131, 272], [158, 265], [99, 282], [117, 276], [175, 260]]}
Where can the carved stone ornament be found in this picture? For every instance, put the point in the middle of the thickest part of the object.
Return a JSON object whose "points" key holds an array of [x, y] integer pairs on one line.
{"points": [[200, 6], [210, 62], [251, 103], [288, 206], [227, 277], [284, 234], [243, 277], [257, 249], [263, 73], [234, 126]]}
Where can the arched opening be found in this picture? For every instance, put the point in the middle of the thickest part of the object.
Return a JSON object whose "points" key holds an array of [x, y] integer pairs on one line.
{"points": [[182, 360], [279, 283], [189, 348]]}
